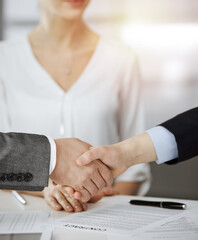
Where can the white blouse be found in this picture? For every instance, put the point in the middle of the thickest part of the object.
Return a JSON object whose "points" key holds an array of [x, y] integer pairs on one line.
{"points": [[103, 106]]}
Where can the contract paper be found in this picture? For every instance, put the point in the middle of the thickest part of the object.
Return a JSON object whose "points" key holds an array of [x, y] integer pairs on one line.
{"points": [[120, 217], [182, 227], [23, 221]]}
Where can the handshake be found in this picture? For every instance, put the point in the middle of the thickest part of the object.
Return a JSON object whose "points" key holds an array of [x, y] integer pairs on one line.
{"points": [[89, 169]]}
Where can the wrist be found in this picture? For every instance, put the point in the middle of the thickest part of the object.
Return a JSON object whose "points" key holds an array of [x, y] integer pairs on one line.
{"points": [[139, 149], [126, 153]]}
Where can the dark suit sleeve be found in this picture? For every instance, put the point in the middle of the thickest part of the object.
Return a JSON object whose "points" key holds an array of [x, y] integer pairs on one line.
{"points": [[185, 129], [24, 161]]}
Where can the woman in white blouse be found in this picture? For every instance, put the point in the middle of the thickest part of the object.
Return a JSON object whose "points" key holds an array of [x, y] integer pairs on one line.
{"points": [[64, 80]]}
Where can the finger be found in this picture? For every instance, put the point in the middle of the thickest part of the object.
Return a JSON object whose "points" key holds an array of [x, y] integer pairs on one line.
{"points": [[91, 155], [110, 192], [91, 187], [106, 175], [63, 202], [84, 205], [96, 198], [71, 192], [68, 192], [77, 195], [77, 205], [51, 201], [85, 195], [99, 180]]}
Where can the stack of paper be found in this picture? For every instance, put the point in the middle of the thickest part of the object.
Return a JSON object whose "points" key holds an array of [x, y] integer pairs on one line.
{"points": [[119, 218], [23, 221]]}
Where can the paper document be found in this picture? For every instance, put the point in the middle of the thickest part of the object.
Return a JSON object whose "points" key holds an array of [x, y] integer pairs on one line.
{"points": [[181, 228], [120, 217], [23, 221]]}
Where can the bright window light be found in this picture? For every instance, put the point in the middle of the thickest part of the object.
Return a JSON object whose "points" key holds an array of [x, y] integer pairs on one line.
{"points": [[160, 35]]}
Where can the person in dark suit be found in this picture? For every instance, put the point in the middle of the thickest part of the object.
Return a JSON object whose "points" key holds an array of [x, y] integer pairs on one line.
{"points": [[171, 142], [28, 160]]}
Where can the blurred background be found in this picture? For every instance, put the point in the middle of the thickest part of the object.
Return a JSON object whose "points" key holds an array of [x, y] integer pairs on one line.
{"points": [[164, 34]]}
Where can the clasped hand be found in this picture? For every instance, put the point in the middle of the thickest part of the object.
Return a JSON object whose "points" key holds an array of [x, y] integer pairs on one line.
{"points": [[87, 180]]}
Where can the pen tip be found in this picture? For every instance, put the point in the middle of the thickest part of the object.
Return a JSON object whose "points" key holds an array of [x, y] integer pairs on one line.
{"points": [[184, 206]]}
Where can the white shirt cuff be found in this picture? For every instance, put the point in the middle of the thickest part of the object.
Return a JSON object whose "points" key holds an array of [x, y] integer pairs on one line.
{"points": [[164, 143], [52, 155]]}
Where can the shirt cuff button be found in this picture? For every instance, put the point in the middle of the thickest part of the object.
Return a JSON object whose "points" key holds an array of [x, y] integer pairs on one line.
{"points": [[28, 177]]}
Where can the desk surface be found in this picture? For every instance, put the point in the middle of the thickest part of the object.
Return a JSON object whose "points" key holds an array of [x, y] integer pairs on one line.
{"points": [[9, 203]]}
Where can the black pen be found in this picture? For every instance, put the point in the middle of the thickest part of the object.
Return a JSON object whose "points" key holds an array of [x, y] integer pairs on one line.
{"points": [[169, 205]]}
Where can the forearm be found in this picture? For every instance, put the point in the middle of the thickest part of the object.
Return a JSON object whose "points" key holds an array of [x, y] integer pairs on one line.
{"points": [[38, 194], [139, 149], [119, 157]]}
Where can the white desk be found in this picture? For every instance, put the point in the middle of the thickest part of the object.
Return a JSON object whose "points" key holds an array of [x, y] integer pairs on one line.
{"points": [[9, 203]]}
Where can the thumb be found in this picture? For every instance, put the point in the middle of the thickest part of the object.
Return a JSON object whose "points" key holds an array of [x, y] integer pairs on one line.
{"points": [[89, 156]]}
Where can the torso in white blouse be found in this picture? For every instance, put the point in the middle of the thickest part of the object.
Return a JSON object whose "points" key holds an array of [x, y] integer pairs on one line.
{"points": [[102, 107]]}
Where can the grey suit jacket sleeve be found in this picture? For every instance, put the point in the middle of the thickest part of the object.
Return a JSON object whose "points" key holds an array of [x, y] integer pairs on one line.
{"points": [[24, 161]]}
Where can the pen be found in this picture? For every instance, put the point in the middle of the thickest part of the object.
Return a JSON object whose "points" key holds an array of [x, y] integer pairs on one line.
{"points": [[19, 197], [169, 205]]}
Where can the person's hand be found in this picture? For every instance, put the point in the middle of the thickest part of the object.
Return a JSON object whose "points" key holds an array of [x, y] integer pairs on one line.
{"points": [[108, 191], [89, 179], [119, 157], [62, 198], [112, 156]]}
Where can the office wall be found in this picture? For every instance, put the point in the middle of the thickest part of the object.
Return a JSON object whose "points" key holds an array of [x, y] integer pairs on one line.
{"points": [[179, 181], [164, 34]]}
